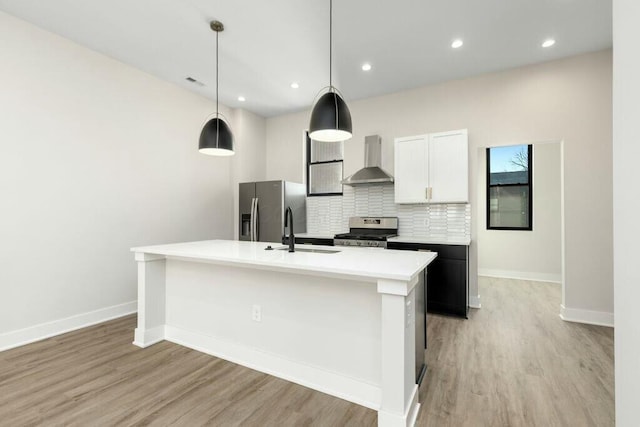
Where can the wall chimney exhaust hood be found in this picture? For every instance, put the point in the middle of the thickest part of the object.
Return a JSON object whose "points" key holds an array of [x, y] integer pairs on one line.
{"points": [[371, 173]]}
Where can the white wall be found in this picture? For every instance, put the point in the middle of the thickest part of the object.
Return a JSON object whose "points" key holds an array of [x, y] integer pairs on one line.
{"points": [[626, 205], [531, 255], [96, 157], [249, 161], [568, 100]]}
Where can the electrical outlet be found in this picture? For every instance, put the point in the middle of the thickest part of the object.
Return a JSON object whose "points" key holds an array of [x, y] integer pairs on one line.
{"points": [[256, 313]]}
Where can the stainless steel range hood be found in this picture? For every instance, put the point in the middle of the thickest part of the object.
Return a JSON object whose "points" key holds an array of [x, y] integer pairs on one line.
{"points": [[371, 173]]}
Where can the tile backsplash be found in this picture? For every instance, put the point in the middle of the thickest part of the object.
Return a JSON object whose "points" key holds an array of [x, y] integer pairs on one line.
{"points": [[324, 215], [330, 214]]}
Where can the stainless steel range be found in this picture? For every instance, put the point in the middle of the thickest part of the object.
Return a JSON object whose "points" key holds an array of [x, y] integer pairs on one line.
{"points": [[368, 231]]}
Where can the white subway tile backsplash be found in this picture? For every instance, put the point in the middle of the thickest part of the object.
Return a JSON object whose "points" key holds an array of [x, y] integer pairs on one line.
{"points": [[324, 215], [330, 215]]}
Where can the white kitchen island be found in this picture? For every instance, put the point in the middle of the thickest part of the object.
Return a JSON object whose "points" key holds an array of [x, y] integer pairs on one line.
{"points": [[341, 323]]}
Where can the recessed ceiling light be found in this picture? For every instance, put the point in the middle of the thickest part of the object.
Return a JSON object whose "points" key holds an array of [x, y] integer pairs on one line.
{"points": [[241, 98], [457, 43], [548, 43], [366, 67], [295, 85]]}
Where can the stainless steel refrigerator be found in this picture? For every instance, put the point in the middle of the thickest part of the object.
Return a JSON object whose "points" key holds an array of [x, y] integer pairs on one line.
{"points": [[262, 207]]}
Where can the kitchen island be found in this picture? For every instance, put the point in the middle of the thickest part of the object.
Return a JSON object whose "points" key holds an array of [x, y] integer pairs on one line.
{"points": [[340, 320]]}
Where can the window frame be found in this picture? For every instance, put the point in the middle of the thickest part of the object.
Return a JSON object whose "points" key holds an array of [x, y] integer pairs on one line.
{"points": [[529, 184], [308, 171]]}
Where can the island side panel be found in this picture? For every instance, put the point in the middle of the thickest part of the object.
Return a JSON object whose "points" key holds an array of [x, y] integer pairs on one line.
{"points": [[320, 332], [399, 399], [151, 299]]}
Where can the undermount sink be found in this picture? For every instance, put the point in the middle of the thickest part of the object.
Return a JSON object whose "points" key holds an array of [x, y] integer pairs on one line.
{"points": [[318, 251]]}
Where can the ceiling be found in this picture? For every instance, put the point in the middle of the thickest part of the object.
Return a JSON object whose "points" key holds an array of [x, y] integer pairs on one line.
{"points": [[267, 45]]}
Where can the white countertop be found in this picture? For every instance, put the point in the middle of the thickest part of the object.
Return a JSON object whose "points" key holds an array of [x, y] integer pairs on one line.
{"points": [[430, 240], [362, 263]]}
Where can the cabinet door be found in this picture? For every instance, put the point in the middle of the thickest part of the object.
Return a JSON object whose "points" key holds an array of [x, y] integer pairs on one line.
{"points": [[410, 163], [447, 287], [447, 277], [449, 167]]}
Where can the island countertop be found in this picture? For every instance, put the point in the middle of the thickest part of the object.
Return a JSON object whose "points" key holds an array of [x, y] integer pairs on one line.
{"points": [[343, 323], [360, 263]]}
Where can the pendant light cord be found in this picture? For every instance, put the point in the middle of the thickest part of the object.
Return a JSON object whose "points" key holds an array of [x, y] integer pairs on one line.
{"points": [[217, 114], [330, 44]]}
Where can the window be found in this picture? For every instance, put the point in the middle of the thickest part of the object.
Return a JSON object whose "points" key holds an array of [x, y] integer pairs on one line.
{"points": [[509, 188], [324, 168]]}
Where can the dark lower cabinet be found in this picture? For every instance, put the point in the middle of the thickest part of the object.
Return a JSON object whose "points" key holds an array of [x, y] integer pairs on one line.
{"points": [[309, 241], [447, 277], [447, 287]]}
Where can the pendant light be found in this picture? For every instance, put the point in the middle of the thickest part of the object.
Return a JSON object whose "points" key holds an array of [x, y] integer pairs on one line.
{"points": [[330, 116], [216, 138]]}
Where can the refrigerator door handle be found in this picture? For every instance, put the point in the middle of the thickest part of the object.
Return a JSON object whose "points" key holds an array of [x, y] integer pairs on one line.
{"points": [[251, 232], [257, 221]]}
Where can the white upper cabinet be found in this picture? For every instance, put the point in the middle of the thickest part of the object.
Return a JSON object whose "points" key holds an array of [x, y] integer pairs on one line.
{"points": [[432, 168], [449, 167], [411, 178]]}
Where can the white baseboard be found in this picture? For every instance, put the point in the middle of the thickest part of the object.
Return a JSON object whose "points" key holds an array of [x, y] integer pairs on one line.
{"points": [[521, 275], [408, 419], [42, 331], [145, 338], [314, 377], [600, 318], [474, 301]]}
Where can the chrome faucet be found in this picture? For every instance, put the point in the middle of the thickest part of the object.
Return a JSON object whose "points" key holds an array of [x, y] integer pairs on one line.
{"points": [[288, 221]]}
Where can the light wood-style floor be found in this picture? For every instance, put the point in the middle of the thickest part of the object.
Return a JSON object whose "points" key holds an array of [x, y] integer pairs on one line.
{"points": [[513, 363], [516, 363]]}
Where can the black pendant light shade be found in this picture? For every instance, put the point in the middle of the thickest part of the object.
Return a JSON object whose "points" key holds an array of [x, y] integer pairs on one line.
{"points": [[216, 138], [330, 119]]}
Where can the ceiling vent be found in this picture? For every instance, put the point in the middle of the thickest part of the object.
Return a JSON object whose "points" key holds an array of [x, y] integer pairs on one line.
{"points": [[192, 80]]}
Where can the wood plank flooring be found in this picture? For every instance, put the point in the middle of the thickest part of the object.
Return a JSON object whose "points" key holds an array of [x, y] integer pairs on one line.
{"points": [[516, 363], [513, 363]]}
